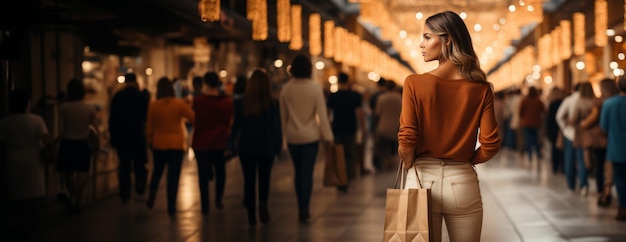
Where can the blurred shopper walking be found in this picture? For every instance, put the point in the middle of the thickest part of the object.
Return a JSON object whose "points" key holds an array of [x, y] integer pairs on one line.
{"points": [[602, 169], [257, 132], [569, 153], [373, 120], [531, 113], [166, 136], [21, 137], [127, 129], [214, 114], [346, 110], [76, 120], [613, 122], [553, 131], [304, 121], [388, 108], [582, 136]]}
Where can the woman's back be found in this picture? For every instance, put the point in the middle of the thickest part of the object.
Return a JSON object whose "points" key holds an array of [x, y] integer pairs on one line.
{"points": [[446, 116]]}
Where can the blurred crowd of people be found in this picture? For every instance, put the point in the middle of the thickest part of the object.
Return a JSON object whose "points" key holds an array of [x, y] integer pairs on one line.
{"points": [[252, 121], [585, 134]]}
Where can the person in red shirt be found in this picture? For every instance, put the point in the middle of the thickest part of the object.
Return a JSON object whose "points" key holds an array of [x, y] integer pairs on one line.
{"points": [[531, 114], [214, 114]]}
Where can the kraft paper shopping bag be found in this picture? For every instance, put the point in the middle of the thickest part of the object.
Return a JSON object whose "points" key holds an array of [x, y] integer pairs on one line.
{"points": [[407, 212]]}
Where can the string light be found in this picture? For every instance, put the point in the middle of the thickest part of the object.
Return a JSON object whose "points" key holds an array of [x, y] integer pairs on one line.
{"points": [[283, 8], [259, 24], [296, 27], [315, 34], [209, 10]]}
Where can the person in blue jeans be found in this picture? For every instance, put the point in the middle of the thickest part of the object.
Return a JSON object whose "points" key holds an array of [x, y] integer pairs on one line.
{"points": [[565, 110], [613, 122], [302, 104]]}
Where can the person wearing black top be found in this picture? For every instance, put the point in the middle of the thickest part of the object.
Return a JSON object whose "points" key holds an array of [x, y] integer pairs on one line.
{"points": [[127, 125], [257, 133]]}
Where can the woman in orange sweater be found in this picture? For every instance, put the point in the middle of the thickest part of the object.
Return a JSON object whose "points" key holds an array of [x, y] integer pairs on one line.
{"points": [[166, 136], [443, 113]]}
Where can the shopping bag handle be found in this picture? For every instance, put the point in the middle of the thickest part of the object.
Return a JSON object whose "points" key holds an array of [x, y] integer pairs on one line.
{"points": [[402, 175]]}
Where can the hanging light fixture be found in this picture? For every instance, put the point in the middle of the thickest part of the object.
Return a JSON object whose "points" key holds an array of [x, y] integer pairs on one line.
{"points": [[259, 23], [283, 11], [329, 28], [315, 34], [579, 33], [209, 10], [296, 27], [251, 9], [601, 16]]}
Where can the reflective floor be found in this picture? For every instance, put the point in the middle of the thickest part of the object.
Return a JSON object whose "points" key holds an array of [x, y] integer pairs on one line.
{"points": [[522, 202]]}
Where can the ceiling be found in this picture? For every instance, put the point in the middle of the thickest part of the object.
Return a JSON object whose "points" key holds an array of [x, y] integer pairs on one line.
{"points": [[492, 24]]}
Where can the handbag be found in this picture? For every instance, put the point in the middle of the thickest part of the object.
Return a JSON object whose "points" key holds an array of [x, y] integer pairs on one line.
{"points": [[407, 211], [335, 173]]}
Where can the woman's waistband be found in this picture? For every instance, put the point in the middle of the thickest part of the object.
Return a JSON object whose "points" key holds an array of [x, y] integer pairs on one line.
{"points": [[437, 161]]}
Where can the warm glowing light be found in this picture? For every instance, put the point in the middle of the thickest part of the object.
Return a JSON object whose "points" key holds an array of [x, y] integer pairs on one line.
{"points": [[579, 33], [512, 8], [149, 71], [223, 73], [259, 22], [402, 34], [373, 76], [329, 28], [601, 22], [121, 79], [547, 79], [296, 27], [87, 66], [619, 39], [419, 15], [610, 32], [315, 34], [463, 15], [566, 39], [621, 56], [332, 79], [613, 65], [278, 63], [580, 65], [477, 27], [209, 10], [283, 20], [536, 68], [319, 65]]}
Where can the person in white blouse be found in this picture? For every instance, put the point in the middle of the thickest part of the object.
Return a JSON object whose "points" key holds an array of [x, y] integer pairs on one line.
{"points": [[562, 119], [77, 119]]}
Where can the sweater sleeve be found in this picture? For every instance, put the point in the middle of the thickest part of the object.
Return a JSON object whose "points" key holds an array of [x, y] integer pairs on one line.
{"points": [[604, 118], [488, 137], [320, 109], [187, 112], [408, 133], [150, 124]]}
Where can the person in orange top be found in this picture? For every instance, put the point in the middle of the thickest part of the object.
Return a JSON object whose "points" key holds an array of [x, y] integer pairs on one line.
{"points": [[443, 114], [166, 136]]}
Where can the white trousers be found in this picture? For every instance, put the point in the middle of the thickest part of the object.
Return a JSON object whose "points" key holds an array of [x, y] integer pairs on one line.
{"points": [[455, 197]]}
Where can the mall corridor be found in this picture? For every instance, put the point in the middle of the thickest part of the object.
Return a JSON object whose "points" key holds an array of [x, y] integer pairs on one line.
{"points": [[522, 202]]}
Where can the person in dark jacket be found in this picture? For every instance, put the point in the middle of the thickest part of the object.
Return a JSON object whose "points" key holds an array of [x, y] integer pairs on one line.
{"points": [[127, 125], [257, 122]]}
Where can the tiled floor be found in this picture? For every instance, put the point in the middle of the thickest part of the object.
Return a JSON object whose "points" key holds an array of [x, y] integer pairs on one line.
{"points": [[521, 202]]}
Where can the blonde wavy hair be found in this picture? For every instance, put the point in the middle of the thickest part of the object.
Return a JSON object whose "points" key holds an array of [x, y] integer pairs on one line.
{"points": [[457, 46]]}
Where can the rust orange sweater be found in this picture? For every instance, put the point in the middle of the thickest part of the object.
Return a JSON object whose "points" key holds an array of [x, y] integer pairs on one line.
{"points": [[164, 126], [441, 118]]}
